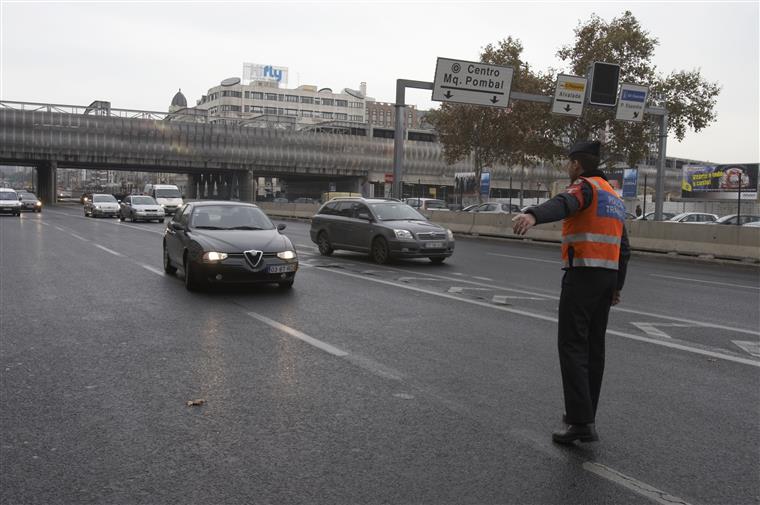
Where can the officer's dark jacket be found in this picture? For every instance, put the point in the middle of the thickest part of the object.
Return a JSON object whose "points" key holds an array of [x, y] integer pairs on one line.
{"points": [[578, 197]]}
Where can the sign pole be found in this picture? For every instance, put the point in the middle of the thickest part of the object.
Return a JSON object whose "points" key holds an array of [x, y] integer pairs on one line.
{"points": [[399, 134], [660, 185], [739, 202]]}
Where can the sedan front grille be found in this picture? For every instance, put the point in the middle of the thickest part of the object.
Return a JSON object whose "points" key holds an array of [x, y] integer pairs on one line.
{"points": [[436, 235], [253, 257]]}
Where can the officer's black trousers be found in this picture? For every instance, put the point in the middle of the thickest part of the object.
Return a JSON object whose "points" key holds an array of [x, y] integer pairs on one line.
{"points": [[584, 306]]}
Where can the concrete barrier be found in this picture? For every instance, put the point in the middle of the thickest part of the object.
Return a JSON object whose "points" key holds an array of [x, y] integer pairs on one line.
{"points": [[710, 240]]}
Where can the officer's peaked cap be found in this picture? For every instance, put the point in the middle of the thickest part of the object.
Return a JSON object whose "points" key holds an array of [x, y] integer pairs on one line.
{"points": [[591, 148]]}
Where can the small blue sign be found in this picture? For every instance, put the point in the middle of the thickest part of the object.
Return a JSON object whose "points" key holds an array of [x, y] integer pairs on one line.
{"points": [[630, 95], [485, 183], [630, 180]]}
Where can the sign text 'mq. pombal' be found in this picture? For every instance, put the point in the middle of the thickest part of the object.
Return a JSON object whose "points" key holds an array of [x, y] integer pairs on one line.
{"points": [[472, 83]]}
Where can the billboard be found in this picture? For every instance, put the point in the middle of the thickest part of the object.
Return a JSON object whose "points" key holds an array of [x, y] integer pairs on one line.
{"points": [[485, 183], [720, 182], [465, 184], [257, 72]]}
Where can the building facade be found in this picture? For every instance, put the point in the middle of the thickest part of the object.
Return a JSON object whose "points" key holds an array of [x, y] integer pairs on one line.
{"points": [[384, 114]]}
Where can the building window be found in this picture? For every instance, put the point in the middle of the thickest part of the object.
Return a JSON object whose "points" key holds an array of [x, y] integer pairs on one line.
{"points": [[235, 94], [356, 118], [307, 113], [291, 98], [328, 101], [341, 116], [257, 95], [307, 99], [355, 105], [280, 112], [272, 96], [291, 112], [327, 115], [341, 103], [270, 110]]}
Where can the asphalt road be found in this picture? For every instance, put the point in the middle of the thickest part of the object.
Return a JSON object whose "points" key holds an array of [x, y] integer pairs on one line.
{"points": [[410, 383]]}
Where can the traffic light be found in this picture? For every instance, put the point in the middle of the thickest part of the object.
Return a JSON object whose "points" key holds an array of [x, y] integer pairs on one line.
{"points": [[604, 84]]}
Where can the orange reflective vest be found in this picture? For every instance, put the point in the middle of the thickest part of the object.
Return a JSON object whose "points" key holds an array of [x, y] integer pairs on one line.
{"points": [[591, 237]]}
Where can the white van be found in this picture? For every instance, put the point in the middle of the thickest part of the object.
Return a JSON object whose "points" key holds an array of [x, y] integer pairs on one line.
{"points": [[168, 196], [9, 202]]}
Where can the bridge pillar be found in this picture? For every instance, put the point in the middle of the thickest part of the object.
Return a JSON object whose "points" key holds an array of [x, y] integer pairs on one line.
{"points": [[245, 188], [47, 174], [193, 182]]}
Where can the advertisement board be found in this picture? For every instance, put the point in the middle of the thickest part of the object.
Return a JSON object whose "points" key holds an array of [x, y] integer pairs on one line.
{"points": [[465, 184], [257, 72], [630, 182], [719, 182]]}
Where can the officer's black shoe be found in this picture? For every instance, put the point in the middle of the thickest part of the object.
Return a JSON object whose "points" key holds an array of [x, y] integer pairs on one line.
{"points": [[582, 432]]}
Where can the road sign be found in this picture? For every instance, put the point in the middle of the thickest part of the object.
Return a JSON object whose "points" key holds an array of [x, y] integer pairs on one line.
{"points": [[472, 83], [388, 177], [633, 99], [569, 95]]}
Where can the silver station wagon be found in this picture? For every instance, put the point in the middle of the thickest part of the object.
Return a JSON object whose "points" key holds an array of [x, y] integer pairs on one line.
{"points": [[384, 229]]}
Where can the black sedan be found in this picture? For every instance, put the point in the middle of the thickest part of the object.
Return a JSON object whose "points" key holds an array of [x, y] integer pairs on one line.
{"points": [[227, 242]]}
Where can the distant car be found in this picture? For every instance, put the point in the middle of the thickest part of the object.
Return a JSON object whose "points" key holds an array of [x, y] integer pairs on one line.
{"points": [[426, 204], [218, 242], [694, 217], [496, 208], [753, 224], [101, 204], [470, 208], [29, 201], [649, 216], [86, 197], [281, 199], [304, 199], [64, 193], [9, 202], [735, 219], [385, 229], [141, 208]]}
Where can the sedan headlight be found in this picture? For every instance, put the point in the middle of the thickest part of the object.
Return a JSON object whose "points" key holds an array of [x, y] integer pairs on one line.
{"points": [[403, 234], [449, 234], [38, 204], [286, 255], [213, 256]]}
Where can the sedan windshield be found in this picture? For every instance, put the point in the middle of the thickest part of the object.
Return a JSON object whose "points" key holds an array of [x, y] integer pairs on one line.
{"points": [[395, 211], [230, 217], [7, 195], [104, 199], [143, 200], [167, 193]]}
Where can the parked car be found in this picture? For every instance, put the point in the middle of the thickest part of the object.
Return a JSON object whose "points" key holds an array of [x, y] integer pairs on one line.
{"points": [[496, 208], [304, 199], [753, 224], [141, 207], [281, 199], [736, 219], [382, 228], [218, 242], [29, 201], [101, 204], [694, 217], [649, 216], [426, 204], [9, 202]]}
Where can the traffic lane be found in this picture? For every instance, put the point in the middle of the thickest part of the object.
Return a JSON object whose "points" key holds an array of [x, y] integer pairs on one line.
{"points": [[117, 398], [496, 375]]}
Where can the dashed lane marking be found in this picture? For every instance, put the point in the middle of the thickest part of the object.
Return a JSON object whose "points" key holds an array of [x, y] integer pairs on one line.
{"points": [[750, 347], [502, 299], [525, 258], [108, 250], [152, 269], [299, 335], [651, 330]]}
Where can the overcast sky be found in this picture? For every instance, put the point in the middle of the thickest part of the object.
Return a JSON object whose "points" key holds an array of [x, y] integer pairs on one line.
{"points": [[137, 54]]}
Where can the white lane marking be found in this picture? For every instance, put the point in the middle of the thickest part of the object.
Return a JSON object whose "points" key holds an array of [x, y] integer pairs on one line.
{"points": [[706, 282], [632, 484], [482, 278], [525, 258], [751, 347], [78, 236], [649, 328], [59, 228], [407, 279], [114, 223], [152, 269], [307, 246], [542, 317], [688, 321], [299, 335], [502, 299], [458, 289], [108, 250]]}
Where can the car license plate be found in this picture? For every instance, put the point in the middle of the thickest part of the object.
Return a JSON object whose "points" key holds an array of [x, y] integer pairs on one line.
{"points": [[278, 269], [434, 245]]}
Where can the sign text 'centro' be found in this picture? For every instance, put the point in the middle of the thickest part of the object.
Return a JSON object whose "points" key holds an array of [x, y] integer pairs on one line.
{"points": [[472, 83]]}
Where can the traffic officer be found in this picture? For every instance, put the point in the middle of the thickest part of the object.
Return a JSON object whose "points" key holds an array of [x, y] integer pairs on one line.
{"points": [[595, 254]]}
